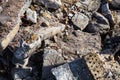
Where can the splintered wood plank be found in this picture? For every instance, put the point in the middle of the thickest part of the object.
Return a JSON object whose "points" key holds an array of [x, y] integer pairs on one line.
{"points": [[10, 20]]}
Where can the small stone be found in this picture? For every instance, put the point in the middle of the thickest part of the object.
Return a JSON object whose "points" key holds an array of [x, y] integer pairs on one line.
{"points": [[80, 20], [55, 38], [45, 24], [59, 15], [99, 24], [63, 72], [54, 4], [21, 74], [75, 70], [78, 4], [115, 3], [117, 17], [1, 9], [47, 42], [70, 15], [105, 10], [110, 74], [112, 45], [31, 15], [90, 5], [51, 57]]}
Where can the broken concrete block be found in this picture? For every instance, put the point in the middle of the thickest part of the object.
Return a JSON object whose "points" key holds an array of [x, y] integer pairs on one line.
{"points": [[51, 58], [80, 20], [19, 74], [75, 70], [89, 67], [63, 72], [10, 20]]}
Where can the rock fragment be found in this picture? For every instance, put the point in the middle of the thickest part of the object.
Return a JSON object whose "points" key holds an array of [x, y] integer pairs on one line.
{"points": [[90, 5], [54, 4], [83, 44], [31, 15], [89, 67], [115, 3], [51, 58], [63, 72], [19, 74], [116, 15], [10, 20], [75, 70], [99, 24], [105, 10], [80, 20], [112, 45], [1, 9]]}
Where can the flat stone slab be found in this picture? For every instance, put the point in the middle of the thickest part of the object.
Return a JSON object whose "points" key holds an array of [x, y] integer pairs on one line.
{"points": [[75, 70], [10, 20]]}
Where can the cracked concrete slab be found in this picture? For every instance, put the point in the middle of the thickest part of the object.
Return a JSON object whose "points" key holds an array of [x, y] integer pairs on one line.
{"points": [[10, 20]]}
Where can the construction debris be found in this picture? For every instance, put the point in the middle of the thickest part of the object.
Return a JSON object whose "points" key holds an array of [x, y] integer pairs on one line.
{"points": [[10, 20], [59, 40], [31, 15], [80, 20]]}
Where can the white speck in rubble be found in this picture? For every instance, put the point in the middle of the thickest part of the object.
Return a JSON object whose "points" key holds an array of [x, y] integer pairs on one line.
{"points": [[32, 15]]}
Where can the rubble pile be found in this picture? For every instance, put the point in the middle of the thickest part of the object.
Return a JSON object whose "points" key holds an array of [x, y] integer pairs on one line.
{"points": [[59, 40]]}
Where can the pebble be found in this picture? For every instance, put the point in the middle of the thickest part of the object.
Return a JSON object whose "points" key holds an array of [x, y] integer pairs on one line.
{"points": [[63, 73], [80, 20], [99, 24], [117, 17], [70, 15], [31, 15], [50, 57], [45, 24], [75, 70], [53, 4]]}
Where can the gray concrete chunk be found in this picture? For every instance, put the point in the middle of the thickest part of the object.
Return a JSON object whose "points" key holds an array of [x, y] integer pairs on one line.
{"points": [[10, 20], [80, 20]]}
